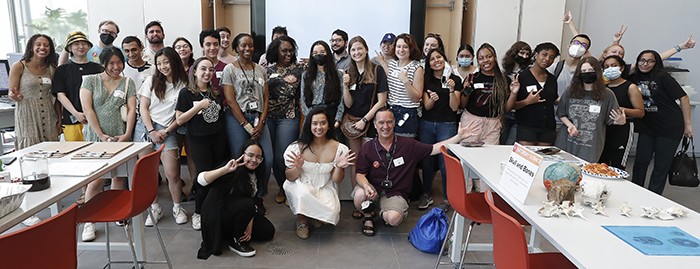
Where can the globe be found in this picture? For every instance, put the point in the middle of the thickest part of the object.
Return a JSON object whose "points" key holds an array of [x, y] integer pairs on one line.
{"points": [[561, 171]]}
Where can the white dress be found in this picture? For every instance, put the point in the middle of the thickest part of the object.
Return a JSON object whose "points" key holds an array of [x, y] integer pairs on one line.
{"points": [[314, 194]]}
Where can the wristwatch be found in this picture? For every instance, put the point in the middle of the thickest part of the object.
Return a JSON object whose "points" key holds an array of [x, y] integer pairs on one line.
{"points": [[365, 120]]}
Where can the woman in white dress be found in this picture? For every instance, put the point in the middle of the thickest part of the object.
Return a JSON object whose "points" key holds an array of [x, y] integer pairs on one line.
{"points": [[315, 166]]}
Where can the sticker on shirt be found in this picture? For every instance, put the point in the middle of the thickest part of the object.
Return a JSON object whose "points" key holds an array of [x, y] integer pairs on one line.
{"points": [[398, 161], [219, 74], [594, 109], [531, 88], [353, 87], [252, 105], [45, 81], [275, 75], [119, 94], [261, 81], [481, 86], [394, 73]]}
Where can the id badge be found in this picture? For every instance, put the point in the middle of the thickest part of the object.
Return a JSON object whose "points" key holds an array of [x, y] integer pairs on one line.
{"points": [[45, 81], [119, 94], [398, 161], [219, 74], [594, 109], [531, 88], [252, 105]]}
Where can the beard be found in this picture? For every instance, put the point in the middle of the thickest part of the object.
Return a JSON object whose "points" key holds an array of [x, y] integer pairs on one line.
{"points": [[339, 50], [155, 40]]}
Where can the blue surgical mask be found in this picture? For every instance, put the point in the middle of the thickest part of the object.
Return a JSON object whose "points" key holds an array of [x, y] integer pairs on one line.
{"points": [[464, 62], [612, 73]]}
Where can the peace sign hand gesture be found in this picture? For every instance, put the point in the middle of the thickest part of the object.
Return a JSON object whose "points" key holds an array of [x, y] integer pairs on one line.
{"points": [[515, 84], [233, 164]]}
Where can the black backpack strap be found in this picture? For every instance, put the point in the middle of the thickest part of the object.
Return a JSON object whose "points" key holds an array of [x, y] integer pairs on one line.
{"points": [[558, 69]]}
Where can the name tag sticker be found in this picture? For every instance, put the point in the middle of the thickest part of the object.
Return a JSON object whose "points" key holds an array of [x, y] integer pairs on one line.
{"points": [[394, 73], [261, 81], [398, 161], [594, 109], [353, 87], [253, 105], [274, 75], [531, 88], [481, 86], [219, 74], [45, 81], [119, 94]]}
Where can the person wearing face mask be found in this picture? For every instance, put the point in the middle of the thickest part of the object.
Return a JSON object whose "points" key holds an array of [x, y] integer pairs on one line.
{"points": [[108, 31], [465, 62], [585, 109], [321, 84], [618, 138], [517, 58], [564, 69]]}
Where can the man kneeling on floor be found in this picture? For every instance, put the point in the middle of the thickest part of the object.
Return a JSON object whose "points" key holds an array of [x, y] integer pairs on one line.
{"points": [[385, 169]]}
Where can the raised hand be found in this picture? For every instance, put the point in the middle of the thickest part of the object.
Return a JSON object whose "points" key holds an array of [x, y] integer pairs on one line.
{"points": [[433, 96], [296, 160], [534, 97], [451, 84], [567, 17], [346, 79], [344, 159], [688, 43], [515, 84], [233, 164], [618, 36]]}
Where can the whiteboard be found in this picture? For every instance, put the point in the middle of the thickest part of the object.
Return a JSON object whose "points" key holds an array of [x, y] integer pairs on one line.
{"points": [[310, 20]]}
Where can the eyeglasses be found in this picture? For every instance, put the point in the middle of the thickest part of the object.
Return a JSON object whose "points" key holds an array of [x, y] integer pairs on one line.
{"points": [[179, 47], [646, 61], [105, 31], [259, 158], [576, 42], [336, 40]]}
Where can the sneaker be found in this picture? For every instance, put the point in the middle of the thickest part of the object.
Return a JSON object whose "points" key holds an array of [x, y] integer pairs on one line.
{"points": [[243, 249], [120, 223], [425, 201], [196, 222], [88, 232], [260, 206], [180, 215], [33, 220], [158, 215], [281, 197]]}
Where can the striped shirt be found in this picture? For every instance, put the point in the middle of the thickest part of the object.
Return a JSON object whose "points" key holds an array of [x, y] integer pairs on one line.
{"points": [[397, 91]]}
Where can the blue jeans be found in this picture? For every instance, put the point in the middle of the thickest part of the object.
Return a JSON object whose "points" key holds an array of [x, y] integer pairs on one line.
{"points": [[406, 121], [237, 137], [431, 132], [283, 133]]}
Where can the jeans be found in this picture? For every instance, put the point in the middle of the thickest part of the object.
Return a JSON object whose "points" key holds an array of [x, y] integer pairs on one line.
{"points": [[431, 132], [662, 149], [237, 136], [406, 124], [283, 133]]}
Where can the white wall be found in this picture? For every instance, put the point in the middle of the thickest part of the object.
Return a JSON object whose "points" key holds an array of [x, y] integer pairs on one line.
{"points": [[133, 15]]}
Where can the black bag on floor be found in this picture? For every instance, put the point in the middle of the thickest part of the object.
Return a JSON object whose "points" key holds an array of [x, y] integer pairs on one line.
{"points": [[684, 169]]}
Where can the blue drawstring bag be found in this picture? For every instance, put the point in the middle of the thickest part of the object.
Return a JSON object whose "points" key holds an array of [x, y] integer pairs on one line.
{"points": [[430, 231]]}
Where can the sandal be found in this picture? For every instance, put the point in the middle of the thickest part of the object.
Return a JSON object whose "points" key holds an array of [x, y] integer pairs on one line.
{"points": [[302, 230], [357, 214], [368, 230]]}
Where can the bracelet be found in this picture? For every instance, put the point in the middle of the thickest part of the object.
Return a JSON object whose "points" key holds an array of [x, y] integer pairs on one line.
{"points": [[152, 130], [678, 48], [365, 120]]}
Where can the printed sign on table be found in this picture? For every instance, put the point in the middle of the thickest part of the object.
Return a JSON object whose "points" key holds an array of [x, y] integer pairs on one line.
{"points": [[520, 170]]}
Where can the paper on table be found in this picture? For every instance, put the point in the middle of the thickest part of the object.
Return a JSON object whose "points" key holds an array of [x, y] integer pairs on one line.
{"points": [[75, 168]]}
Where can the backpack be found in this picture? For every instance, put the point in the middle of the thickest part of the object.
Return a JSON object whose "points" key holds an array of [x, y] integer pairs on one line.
{"points": [[558, 69], [430, 231]]}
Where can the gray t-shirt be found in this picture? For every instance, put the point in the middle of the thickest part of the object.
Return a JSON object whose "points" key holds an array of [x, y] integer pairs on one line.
{"points": [[591, 118], [249, 86], [318, 87]]}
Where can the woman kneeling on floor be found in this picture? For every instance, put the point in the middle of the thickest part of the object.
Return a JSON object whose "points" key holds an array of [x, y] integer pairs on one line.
{"points": [[229, 214]]}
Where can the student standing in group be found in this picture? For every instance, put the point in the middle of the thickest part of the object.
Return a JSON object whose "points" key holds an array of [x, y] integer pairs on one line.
{"points": [[283, 118], [155, 35], [383, 56], [321, 84], [108, 31], [158, 96], [441, 100], [534, 99], [465, 63], [339, 41], [364, 93], [278, 31], [67, 81], [136, 68], [183, 47], [431, 41], [200, 109], [517, 58], [405, 78], [663, 124], [225, 46], [245, 88], [210, 40], [102, 96]]}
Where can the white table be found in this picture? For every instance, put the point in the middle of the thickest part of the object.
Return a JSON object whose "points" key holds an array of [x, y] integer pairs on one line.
{"points": [[61, 186], [586, 243]]}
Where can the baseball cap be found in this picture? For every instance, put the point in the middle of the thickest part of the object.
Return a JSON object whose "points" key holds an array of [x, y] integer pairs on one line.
{"points": [[388, 37], [76, 36]]}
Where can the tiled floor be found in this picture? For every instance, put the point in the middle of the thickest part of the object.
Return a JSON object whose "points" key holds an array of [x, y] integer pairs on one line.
{"points": [[342, 246]]}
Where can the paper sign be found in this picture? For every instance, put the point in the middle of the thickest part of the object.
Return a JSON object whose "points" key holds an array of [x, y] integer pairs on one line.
{"points": [[520, 170]]}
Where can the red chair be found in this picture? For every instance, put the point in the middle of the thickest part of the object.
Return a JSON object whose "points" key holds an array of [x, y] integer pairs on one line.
{"points": [[116, 205], [49, 244], [510, 245]]}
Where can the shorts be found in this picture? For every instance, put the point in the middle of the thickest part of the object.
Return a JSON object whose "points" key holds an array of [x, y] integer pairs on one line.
{"points": [[141, 135], [488, 129], [406, 121], [396, 203], [536, 134], [73, 132]]}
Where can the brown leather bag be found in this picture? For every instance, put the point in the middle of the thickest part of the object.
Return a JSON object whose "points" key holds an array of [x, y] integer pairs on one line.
{"points": [[346, 126]]}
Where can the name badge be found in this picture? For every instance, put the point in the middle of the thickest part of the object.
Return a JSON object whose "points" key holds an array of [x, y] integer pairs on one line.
{"points": [[398, 161], [219, 74], [353, 87], [394, 73], [45, 81], [261, 81], [274, 75], [252, 105], [531, 88], [119, 94], [481, 86], [594, 109]]}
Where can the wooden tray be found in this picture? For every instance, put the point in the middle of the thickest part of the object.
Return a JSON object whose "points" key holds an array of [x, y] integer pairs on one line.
{"points": [[102, 150], [58, 150]]}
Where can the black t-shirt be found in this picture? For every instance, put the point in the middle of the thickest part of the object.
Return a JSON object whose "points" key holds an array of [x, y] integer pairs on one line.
{"points": [[441, 111], [538, 115], [479, 99], [663, 115], [197, 126], [68, 79], [362, 95]]}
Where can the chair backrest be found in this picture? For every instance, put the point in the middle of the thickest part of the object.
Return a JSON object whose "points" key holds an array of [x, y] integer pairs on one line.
{"points": [[470, 205], [509, 243], [49, 244], [144, 186]]}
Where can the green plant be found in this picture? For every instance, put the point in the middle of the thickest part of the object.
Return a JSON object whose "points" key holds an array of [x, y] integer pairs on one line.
{"points": [[57, 23]]}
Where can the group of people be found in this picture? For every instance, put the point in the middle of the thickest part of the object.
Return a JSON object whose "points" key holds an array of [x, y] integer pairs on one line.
{"points": [[241, 121]]}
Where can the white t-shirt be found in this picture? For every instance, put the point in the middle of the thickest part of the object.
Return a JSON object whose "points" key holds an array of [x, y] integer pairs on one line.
{"points": [[162, 111], [138, 75]]}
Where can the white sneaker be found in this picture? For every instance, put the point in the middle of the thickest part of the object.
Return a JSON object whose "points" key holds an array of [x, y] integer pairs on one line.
{"points": [[196, 221], [180, 215], [158, 215], [33, 220], [88, 232]]}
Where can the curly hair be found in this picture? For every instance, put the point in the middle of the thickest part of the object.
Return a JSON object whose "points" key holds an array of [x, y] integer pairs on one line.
{"points": [[509, 58]]}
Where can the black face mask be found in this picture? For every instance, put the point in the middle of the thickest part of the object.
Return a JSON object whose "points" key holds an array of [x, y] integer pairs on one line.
{"points": [[319, 59], [522, 61], [588, 77], [106, 39]]}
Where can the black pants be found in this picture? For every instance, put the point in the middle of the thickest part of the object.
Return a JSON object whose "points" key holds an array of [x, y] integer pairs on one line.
{"points": [[237, 213], [207, 152], [618, 140], [662, 150]]}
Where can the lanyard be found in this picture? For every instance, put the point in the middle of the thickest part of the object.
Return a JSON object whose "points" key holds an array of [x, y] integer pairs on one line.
{"points": [[389, 156]]}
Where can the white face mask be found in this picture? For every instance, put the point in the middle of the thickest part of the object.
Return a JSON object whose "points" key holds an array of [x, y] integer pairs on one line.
{"points": [[576, 51], [612, 73]]}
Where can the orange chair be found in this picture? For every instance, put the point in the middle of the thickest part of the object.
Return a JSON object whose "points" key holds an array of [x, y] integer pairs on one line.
{"points": [[510, 245], [49, 244], [116, 205]]}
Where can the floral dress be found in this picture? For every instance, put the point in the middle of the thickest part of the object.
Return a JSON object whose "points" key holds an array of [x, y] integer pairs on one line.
{"points": [[106, 105]]}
